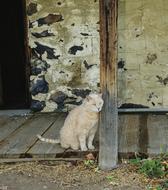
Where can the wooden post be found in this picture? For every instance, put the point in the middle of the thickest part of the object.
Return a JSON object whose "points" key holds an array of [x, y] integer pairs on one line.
{"points": [[108, 151]]}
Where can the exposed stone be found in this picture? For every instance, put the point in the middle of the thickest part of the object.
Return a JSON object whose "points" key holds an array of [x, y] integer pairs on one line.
{"points": [[40, 97], [59, 3], [131, 105], [50, 19], [31, 9], [151, 58], [165, 81], [62, 78], [34, 54], [39, 86], [50, 107], [121, 64], [30, 24], [37, 66], [73, 102], [73, 50], [58, 97], [162, 80], [84, 34], [42, 34], [61, 107], [37, 105], [40, 49], [81, 92], [35, 71], [143, 50], [91, 77], [87, 66], [61, 72], [64, 45]]}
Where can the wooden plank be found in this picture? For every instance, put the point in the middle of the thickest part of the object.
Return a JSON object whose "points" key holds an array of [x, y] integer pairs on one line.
{"points": [[157, 134], [12, 124], [128, 133], [42, 149], [143, 133], [12, 160], [25, 137], [4, 120], [108, 153]]}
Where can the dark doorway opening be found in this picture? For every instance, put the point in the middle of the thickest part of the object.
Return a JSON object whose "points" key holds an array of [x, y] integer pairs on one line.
{"points": [[14, 90]]}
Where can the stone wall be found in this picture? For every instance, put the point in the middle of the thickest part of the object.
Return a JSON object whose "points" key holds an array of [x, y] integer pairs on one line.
{"points": [[64, 42], [143, 53]]}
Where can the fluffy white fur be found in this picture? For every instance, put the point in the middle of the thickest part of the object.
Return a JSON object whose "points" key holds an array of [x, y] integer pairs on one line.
{"points": [[80, 125]]}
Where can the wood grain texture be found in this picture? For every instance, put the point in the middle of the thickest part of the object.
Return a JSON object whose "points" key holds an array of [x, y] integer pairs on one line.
{"points": [[128, 133], [108, 152], [19, 142], [138, 133], [11, 124], [4, 120], [42, 149]]}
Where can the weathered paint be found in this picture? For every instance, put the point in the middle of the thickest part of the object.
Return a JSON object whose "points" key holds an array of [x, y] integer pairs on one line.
{"points": [[143, 52], [64, 38]]}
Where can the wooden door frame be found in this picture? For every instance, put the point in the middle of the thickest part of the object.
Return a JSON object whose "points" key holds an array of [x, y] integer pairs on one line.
{"points": [[27, 52], [108, 131]]}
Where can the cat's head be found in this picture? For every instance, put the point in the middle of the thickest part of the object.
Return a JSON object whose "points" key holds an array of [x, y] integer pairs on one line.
{"points": [[94, 102]]}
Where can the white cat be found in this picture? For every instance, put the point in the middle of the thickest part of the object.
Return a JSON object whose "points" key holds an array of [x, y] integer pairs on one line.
{"points": [[80, 125]]}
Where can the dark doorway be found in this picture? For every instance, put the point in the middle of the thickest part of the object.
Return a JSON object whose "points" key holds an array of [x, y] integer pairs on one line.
{"points": [[14, 93]]}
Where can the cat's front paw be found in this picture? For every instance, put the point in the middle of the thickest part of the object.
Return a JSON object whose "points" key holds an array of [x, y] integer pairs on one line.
{"points": [[91, 147]]}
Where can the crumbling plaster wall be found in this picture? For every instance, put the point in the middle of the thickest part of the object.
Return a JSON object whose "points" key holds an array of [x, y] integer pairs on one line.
{"points": [[64, 42], [143, 53]]}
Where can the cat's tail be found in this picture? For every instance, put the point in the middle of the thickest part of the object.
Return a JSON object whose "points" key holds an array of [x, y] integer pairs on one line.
{"points": [[53, 141]]}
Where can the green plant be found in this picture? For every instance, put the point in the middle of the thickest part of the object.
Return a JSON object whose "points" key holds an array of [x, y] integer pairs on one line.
{"points": [[110, 177], [165, 184], [159, 188], [89, 163], [148, 187], [113, 180], [97, 170], [152, 168], [136, 161]]}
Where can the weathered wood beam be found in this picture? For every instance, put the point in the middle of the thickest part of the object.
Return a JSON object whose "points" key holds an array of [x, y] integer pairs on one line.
{"points": [[14, 160], [108, 151]]}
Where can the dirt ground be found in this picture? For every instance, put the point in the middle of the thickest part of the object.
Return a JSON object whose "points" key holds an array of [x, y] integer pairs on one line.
{"points": [[72, 175]]}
